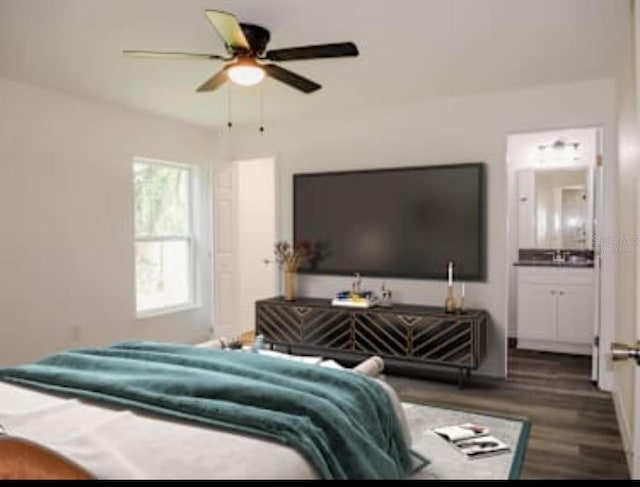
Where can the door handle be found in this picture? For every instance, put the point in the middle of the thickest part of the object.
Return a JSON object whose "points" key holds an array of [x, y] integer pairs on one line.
{"points": [[621, 351]]}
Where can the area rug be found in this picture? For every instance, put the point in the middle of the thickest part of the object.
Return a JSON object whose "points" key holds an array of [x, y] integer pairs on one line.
{"points": [[447, 463]]}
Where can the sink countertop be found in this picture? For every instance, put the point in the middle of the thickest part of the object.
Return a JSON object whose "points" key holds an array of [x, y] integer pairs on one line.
{"points": [[548, 263]]}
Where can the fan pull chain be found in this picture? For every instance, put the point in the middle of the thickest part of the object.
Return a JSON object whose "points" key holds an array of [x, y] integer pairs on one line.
{"points": [[262, 108], [229, 122]]}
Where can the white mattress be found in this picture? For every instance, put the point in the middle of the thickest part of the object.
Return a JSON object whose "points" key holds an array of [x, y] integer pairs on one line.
{"points": [[117, 443]]}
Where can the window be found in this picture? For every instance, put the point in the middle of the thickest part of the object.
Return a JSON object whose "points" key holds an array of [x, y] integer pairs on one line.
{"points": [[164, 245]]}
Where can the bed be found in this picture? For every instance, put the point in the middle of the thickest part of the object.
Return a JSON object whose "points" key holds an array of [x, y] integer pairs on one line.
{"points": [[112, 433]]}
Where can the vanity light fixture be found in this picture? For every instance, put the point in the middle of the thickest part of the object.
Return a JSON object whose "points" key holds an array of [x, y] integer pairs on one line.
{"points": [[563, 152], [576, 147], [542, 149]]}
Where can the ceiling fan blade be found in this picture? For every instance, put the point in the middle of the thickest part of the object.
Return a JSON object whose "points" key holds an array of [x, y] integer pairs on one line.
{"points": [[172, 55], [216, 81], [292, 79], [345, 49], [228, 27]]}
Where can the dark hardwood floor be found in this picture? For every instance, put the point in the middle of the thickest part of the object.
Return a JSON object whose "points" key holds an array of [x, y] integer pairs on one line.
{"points": [[574, 432]]}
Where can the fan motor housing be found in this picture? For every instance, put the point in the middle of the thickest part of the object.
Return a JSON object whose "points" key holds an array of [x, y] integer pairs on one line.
{"points": [[257, 36]]}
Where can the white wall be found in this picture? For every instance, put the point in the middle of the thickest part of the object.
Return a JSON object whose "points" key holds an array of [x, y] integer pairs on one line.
{"points": [[464, 129], [66, 220]]}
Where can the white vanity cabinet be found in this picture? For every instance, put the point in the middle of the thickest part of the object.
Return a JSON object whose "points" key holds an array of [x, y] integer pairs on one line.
{"points": [[556, 309]]}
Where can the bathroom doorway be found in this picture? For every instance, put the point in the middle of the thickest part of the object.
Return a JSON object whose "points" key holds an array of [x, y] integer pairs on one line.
{"points": [[554, 270]]}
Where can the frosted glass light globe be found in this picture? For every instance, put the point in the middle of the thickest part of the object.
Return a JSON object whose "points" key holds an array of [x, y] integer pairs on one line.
{"points": [[246, 74]]}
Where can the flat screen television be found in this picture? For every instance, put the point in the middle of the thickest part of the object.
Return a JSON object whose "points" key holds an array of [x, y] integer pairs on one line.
{"points": [[401, 222]]}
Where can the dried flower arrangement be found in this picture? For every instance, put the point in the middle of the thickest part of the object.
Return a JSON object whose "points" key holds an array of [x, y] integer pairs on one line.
{"points": [[290, 256]]}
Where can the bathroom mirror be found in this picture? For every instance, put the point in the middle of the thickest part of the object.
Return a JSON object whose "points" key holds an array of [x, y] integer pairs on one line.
{"points": [[555, 209]]}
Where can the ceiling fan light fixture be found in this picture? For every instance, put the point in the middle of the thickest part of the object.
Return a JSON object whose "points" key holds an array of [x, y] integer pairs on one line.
{"points": [[246, 46], [246, 72]]}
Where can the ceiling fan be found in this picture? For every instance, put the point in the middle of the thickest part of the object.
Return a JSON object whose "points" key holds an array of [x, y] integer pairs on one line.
{"points": [[246, 46]]}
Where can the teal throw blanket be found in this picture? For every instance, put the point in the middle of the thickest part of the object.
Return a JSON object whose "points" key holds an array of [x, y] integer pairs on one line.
{"points": [[342, 423]]}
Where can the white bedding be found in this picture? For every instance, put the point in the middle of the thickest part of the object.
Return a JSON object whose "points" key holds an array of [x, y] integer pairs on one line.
{"points": [[117, 443]]}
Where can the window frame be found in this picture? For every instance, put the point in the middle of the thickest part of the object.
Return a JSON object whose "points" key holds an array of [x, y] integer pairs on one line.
{"points": [[191, 302]]}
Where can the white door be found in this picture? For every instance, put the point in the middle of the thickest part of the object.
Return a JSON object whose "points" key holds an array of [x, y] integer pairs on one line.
{"points": [[256, 223], [629, 351], [224, 251], [537, 314], [636, 369], [575, 314]]}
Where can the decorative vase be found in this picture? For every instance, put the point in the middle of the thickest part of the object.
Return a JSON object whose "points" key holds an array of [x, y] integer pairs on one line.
{"points": [[290, 285], [450, 301]]}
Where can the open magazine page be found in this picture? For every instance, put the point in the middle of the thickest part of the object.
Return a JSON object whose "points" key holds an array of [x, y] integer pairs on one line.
{"points": [[462, 431], [481, 446], [472, 439]]}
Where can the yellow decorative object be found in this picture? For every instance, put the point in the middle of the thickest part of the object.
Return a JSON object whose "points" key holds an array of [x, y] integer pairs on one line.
{"points": [[290, 285], [289, 257]]}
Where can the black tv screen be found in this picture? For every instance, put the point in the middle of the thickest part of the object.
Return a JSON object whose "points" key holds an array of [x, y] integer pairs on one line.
{"points": [[401, 222]]}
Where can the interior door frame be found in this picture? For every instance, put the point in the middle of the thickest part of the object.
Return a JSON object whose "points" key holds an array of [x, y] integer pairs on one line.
{"points": [[600, 376], [599, 353]]}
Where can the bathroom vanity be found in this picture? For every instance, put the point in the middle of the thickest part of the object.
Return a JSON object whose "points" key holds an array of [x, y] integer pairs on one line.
{"points": [[554, 272], [556, 307]]}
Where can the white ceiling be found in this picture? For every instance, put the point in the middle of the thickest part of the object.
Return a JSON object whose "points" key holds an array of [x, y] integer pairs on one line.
{"points": [[410, 49]]}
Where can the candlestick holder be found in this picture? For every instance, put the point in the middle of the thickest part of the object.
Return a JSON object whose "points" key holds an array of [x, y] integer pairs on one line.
{"points": [[461, 305], [450, 302]]}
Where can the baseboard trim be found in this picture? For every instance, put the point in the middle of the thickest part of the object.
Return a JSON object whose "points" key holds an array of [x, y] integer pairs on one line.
{"points": [[624, 425], [556, 347]]}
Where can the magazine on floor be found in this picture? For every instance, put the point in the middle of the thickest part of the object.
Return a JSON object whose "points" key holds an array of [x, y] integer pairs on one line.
{"points": [[473, 440]]}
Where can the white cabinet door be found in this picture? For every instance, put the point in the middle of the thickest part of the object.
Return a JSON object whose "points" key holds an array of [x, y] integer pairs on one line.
{"points": [[537, 311], [575, 314]]}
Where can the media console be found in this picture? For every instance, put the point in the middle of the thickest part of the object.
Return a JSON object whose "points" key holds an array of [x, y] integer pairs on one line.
{"points": [[408, 337]]}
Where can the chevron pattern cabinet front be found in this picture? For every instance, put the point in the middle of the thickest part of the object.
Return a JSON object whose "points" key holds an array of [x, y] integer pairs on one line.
{"points": [[383, 334], [280, 323], [409, 335], [446, 341], [327, 328]]}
